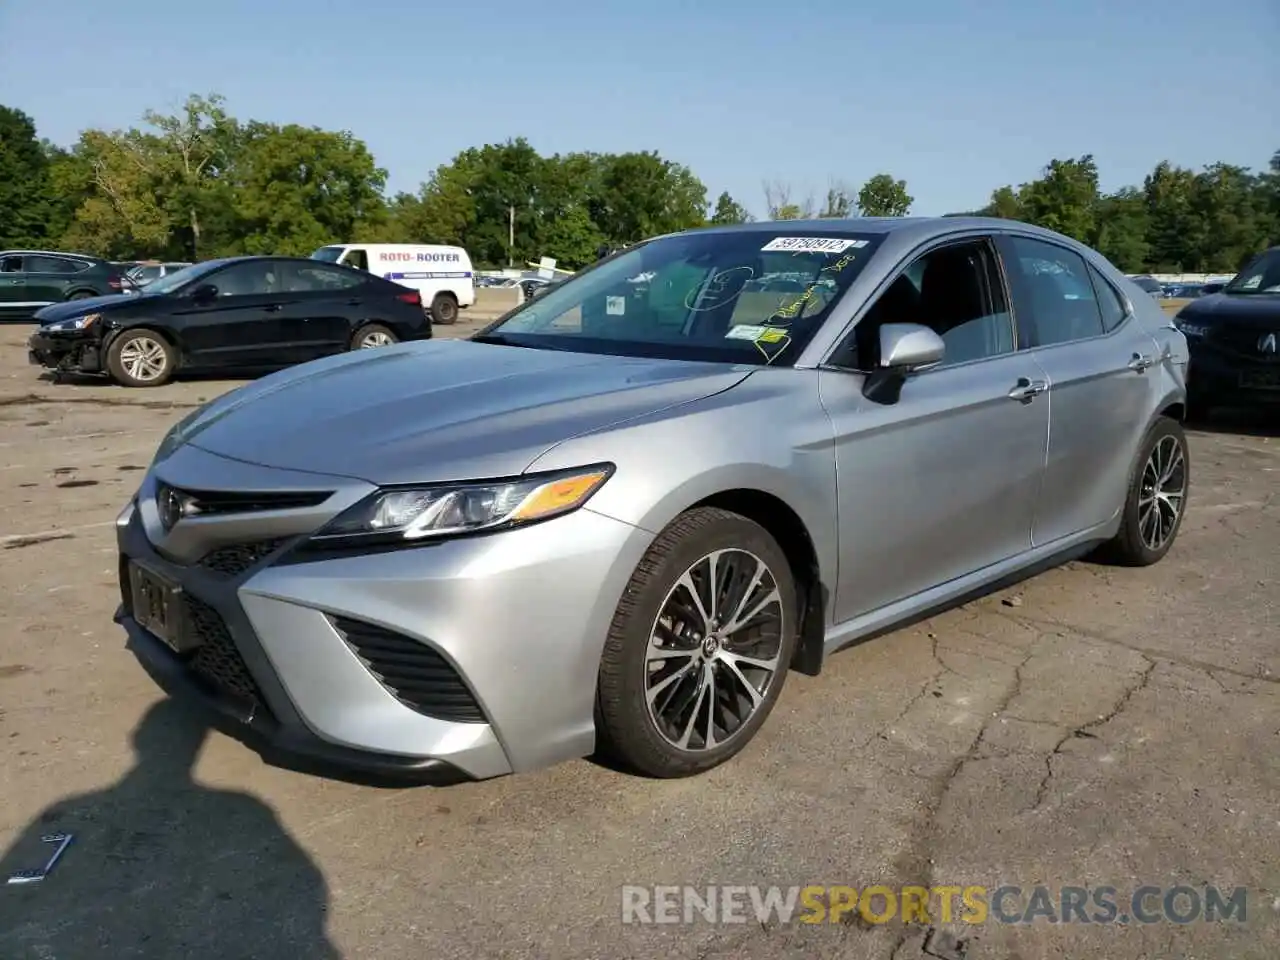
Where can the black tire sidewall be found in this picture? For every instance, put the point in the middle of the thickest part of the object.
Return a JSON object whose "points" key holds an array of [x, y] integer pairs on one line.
{"points": [[116, 369], [1131, 544], [450, 313], [630, 733]]}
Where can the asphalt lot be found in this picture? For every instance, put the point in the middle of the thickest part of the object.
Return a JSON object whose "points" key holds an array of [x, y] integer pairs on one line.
{"points": [[1092, 726]]}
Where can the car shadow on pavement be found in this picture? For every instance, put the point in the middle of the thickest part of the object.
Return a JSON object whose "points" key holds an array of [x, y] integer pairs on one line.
{"points": [[1240, 422], [162, 866]]}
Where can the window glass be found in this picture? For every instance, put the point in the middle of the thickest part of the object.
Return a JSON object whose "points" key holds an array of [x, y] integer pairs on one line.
{"points": [[750, 296], [42, 264], [1110, 305], [1054, 292], [313, 278], [254, 278], [357, 259], [952, 290], [11, 264], [1262, 275]]}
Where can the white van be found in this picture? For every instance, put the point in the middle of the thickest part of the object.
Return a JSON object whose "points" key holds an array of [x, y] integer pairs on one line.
{"points": [[443, 275]]}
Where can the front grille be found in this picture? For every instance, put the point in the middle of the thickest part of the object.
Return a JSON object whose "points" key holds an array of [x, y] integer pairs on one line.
{"points": [[217, 660], [234, 559], [414, 673], [1243, 341], [216, 502]]}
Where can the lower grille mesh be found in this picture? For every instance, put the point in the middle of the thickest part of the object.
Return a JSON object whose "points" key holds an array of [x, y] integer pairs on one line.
{"points": [[234, 559], [217, 660], [418, 676]]}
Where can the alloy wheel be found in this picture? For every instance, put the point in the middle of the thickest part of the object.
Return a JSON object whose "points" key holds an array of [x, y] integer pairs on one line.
{"points": [[1163, 490], [714, 650], [375, 338], [144, 359]]}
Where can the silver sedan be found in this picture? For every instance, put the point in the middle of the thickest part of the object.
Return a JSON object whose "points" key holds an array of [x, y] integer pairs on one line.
{"points": [[618, 517]]}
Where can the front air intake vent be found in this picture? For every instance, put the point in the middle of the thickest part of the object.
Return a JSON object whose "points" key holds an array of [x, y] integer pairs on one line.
{"points": [[413, 672], [218, 502]]}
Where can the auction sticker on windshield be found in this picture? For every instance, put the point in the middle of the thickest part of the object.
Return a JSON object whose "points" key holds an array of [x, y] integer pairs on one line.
{"points": [[756, 334], [812, 244]]}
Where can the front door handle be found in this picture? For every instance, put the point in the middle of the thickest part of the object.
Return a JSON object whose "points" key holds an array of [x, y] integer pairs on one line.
{"points": [[1027, 390], [271, 307], [1141, 363]]}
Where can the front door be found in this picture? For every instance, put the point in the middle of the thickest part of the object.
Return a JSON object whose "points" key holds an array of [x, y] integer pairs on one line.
{"points": [[14, 301], [325, 306], [943, 482], [1076, 327], [243, 325]]}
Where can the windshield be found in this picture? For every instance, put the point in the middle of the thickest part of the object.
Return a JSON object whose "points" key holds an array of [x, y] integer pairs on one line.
{"points": [[172, 281], [145, 274], [1260, 276], [741, 296], [328, 254]]}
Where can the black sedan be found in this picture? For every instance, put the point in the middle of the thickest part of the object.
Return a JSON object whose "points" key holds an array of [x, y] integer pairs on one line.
{"points": [[1234, 337], [241, 314]]}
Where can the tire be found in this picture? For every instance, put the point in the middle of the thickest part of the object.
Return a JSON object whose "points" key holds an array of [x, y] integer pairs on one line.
{"points": [[1135, 545], [124, 351], [82, 295], [444, 309], [371, 336], [632, 733]]}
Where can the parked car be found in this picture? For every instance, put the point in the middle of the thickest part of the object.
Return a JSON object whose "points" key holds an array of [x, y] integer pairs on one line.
{"points": [[1234, 335], [1150, 285], [442, 275], [237, 314], [619, 515], [32, 279], [145, 273]]}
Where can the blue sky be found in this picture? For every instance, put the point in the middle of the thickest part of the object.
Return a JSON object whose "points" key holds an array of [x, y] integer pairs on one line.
{"points": [[955, 98]]}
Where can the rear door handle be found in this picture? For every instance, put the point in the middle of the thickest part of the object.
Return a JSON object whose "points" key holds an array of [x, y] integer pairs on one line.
{"points": [[354, 302], [1141, 363], [1027, 390], [272, 307]]}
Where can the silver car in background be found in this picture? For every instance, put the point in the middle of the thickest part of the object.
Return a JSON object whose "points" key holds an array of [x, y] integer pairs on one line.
{"points": [[615, 519]]}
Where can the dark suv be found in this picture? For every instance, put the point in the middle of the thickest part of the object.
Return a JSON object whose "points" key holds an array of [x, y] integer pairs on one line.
{"points": [[33, 279]]}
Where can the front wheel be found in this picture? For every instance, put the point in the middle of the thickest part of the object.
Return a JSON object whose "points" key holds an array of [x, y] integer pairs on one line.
{"points": [[1156, 498], [699, 647], [140, 358]]}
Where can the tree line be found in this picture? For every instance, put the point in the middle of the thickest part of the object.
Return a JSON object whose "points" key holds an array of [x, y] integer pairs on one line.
{"points": [[200, 183]]}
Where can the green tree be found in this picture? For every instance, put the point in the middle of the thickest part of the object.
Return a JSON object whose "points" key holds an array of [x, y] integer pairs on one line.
{"points": [[1004, 203], [641, 195], [25, 195], [1064, 199], [839, 204], [729, 210], [1120, 229], [883, 196]]}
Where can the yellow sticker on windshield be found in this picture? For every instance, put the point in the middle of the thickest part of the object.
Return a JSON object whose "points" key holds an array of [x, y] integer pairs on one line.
{"points": [[771, 335]]}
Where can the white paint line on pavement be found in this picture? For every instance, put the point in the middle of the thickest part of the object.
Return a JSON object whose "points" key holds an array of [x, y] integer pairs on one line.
{"points": [[64, 437], [57, 534]]}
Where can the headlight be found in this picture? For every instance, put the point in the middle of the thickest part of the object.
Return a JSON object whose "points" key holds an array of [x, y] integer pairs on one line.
{"points": [[1190, 328], [77, 323], [444, 510]]}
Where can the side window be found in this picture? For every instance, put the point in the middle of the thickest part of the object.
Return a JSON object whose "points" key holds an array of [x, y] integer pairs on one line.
{"points": [[954, 290], [251, 279], [311, 278], [1110, 305], [42, 264], [1054, 293], [11, 264], [358, 259]]}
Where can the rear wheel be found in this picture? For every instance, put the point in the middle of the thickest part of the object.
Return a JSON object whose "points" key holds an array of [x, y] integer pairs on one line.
{"points": [[140, 358], [444, 309], [82, 295], [699, 647], [372, 335], [1156, 498]]}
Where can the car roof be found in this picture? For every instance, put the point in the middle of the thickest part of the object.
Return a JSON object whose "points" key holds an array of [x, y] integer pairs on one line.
{"points": [[52, 253], [911, 229]]}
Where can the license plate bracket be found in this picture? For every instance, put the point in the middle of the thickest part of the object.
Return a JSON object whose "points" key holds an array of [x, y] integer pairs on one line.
{"points": [[1260, 379], [159, 609]]}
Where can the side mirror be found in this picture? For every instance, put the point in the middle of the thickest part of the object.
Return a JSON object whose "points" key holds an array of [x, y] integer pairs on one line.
{"points": [[205, 292], [905, 348], [1209, 288]]}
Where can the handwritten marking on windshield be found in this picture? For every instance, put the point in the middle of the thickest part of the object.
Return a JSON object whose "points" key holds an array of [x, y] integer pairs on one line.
{"points": [[719, 290]]}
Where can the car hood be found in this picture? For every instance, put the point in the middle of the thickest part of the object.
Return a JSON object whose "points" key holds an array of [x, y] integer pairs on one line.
{"points": [[439, 410], [1254, 309], [57, 312]]}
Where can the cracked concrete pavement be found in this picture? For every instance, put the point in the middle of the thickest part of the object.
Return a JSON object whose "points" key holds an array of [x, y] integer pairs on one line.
{"points": [[1092, 726]]}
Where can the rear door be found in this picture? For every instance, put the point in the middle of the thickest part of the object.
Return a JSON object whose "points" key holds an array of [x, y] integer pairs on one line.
{"points": [[244, 325], [50, 279], [1076, 327], [325, 304]]}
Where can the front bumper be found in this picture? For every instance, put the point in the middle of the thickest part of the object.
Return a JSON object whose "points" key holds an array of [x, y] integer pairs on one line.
{"points": [[476, 656], [74, 351]]}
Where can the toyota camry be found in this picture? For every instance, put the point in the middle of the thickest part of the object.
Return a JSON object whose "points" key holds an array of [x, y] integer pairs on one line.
{"points": [[616, 518]]}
